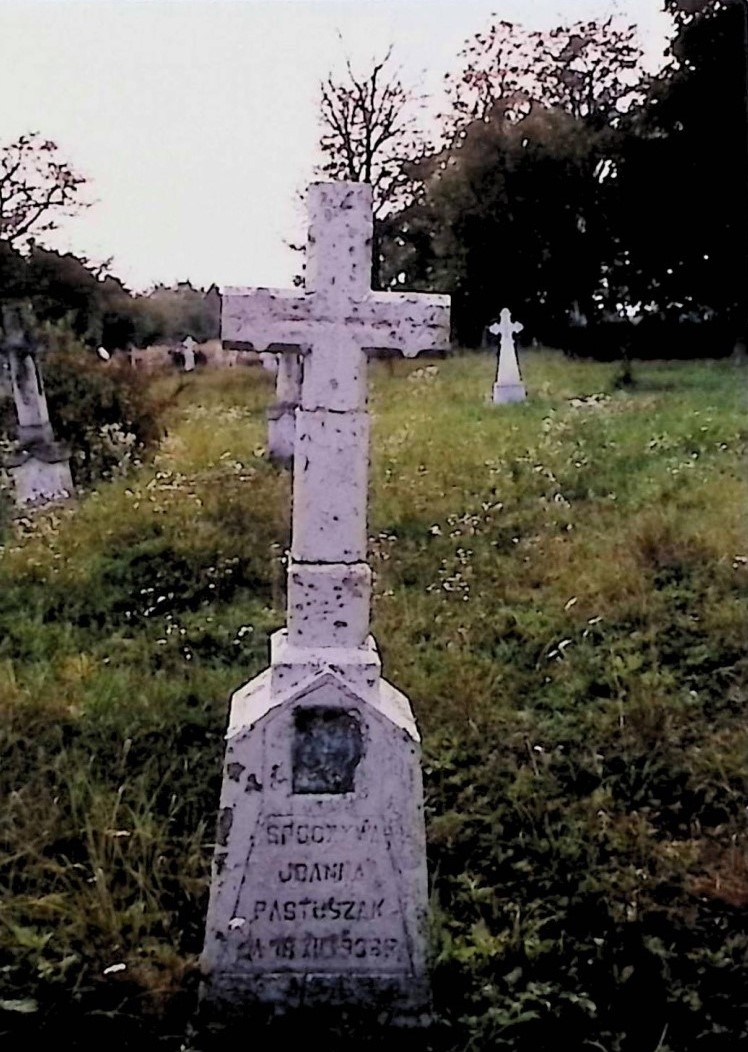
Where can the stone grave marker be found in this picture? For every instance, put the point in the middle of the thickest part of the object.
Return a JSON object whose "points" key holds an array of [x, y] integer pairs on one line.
{"points": [[269, 362], [508, 386], [188, 353], [319, 889], [282, 414], [41, 466]]}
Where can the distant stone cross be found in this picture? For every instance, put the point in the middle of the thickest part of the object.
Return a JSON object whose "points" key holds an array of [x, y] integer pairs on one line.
{"points": [[333, 323], [319, 892], [188, 353], [508, 386]]}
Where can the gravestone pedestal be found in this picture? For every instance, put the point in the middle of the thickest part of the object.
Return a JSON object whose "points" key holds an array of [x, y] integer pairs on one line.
{"points": [[41, 474], [504, 393], [320, 891]]}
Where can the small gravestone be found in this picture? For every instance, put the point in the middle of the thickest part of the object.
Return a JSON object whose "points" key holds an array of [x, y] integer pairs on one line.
{"points": [[508, 386], [282, 414], [188, 354], [269, 362], [40, 467], [6, 388], [319, 891]]}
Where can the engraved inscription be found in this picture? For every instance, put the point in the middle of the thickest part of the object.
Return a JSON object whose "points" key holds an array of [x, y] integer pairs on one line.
{"points": [[327, 748], [334, 947], [332, 900]]}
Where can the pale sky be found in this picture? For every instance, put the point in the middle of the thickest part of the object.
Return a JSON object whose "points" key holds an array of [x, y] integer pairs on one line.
{"points": [[195, 121]]}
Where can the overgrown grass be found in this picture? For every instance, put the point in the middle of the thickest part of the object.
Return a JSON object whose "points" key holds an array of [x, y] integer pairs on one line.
{"points": [[560, 588]]}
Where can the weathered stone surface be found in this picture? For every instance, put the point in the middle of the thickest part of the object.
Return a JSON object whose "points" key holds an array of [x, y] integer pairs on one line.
{"points": [[508, 386], [504, 393], [333, 453], [328, 605], [41, 467], [336, 313], [292, 665], [28, 395], [40, 481], [319, 883], [319, 887], [288, 379]]}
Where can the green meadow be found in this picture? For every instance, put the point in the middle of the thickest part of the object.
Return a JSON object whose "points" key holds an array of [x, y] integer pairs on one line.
{"points": [[560, 589]]}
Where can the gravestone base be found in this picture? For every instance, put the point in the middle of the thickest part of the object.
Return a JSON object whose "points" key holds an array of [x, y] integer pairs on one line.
{"points": [[374, 1000], [319, 890], [281, 419], [505, 393], [41, 478]]}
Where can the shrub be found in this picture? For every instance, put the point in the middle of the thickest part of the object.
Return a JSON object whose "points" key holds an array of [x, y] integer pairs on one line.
{"points": [[106, 413]]}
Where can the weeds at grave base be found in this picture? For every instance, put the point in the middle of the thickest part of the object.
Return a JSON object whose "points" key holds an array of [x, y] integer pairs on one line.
{"points": [[584, 760]]}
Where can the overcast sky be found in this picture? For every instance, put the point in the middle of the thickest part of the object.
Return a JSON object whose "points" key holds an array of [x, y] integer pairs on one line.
{"points": [[195, 121]]}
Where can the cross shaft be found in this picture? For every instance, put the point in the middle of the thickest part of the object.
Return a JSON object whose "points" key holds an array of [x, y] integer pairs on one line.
{"points": [[333, 323]]}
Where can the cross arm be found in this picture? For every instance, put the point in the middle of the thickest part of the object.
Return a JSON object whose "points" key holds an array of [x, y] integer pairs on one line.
{"points": [[265, 319], [408, 322]]}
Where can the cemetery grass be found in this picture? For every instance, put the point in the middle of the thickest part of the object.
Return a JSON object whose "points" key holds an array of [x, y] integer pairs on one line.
{"points": [[560, 589]]}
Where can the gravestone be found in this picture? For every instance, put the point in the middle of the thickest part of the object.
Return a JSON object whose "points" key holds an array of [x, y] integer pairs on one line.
{"points": [[508, 386], [40, 467], [319, 890], [188, 353], [282, 414], [269, 362]]}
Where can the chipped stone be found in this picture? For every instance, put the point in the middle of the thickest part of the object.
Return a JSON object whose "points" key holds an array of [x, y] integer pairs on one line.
{"points": [[333, 459], [328, 604], [325, 857]]}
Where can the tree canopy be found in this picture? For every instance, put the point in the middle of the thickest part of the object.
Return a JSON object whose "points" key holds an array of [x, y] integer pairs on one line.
{"points": [[566, 183]]}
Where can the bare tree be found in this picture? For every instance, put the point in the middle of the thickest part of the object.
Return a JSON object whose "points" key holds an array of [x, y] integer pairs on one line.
{"points": [[370, 132], [36, 188]]}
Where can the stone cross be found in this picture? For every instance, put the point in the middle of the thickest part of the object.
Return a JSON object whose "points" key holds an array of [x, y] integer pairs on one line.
{"points": [[25, 377], [508, 386], [188, 353], [319, 881], [41, 467]]}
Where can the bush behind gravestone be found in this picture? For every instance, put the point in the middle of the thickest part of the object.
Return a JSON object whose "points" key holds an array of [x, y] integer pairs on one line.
{"points": [[106, 412]]}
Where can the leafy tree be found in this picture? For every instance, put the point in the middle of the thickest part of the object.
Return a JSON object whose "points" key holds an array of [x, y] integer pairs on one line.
{"points": [[36, 188], [183, 310], [65, 288], [487, 228], [519, 207], [683, 178]]}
